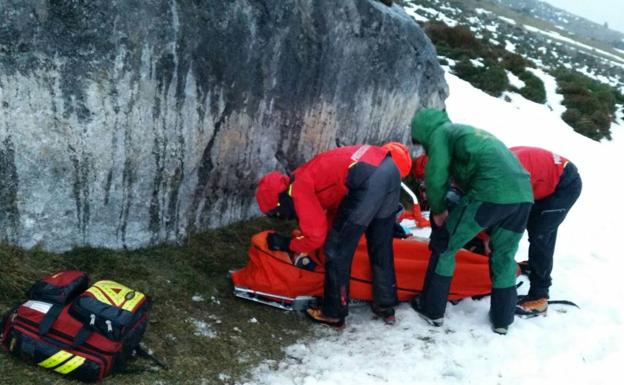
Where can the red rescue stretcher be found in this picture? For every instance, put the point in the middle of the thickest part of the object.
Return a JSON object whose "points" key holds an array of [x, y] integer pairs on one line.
{"points": [[274, 278]]}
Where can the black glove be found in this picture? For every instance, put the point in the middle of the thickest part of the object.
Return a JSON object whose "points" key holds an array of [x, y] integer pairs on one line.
{"points": [[399, 232], [278, 242]]}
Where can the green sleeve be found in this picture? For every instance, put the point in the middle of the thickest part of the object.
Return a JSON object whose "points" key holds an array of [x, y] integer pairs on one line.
{"points": [[437, 171]]}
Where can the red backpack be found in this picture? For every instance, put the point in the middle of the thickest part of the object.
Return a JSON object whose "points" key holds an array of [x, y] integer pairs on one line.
{"points": [[79, 331]]}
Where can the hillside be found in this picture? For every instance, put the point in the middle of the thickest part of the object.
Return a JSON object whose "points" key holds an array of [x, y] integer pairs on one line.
{"points": [[565, 20], [500, 50]]}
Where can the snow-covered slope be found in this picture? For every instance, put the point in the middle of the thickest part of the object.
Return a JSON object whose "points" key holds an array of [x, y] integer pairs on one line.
{"points": [[569, 346]]}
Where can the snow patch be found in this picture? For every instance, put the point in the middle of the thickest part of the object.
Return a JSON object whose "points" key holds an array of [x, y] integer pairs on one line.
{"points": [[509, 46], [508, 20], [412, 11], [202, 328], [478, 63], [514, 80], [197, 298]]}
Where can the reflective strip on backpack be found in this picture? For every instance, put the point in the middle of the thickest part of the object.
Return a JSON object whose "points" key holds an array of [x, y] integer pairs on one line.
{"points": [[55, 359], [70, 365], [116, 294]]}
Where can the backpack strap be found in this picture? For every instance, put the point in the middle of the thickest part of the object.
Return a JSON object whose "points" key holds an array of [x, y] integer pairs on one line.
{"points": [[84, 332], [48, 319]]}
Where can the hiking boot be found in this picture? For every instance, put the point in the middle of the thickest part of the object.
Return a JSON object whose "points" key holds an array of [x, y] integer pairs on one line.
{"points": [[532, 307], [385, 313], [317, 315], [500, 330], [415, 303]]}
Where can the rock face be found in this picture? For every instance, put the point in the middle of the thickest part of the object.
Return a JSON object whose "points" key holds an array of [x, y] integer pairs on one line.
{"points": [[126, 123]]}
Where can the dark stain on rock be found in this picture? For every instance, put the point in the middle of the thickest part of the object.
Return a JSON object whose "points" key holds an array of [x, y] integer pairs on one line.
{"points": [[154, 208], [80, 189], [9, 212]]}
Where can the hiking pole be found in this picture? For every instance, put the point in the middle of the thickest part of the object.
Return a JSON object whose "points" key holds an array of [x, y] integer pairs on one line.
{"points": [[143, 351]]}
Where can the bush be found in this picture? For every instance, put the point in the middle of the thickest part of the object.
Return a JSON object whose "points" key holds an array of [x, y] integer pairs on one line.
{"points": [[455, 42], [490, 78], [591, 105], [515, 63], [533, 87]]}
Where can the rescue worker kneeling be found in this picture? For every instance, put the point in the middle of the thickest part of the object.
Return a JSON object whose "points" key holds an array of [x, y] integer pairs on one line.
{"points": [[336, 197]]}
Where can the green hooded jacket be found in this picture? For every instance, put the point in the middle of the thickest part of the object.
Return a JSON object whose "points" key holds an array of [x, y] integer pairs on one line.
{"points": [[479, 163]]}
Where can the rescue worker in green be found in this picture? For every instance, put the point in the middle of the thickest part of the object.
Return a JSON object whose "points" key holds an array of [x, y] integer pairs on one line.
{"points": [[497, 197]]}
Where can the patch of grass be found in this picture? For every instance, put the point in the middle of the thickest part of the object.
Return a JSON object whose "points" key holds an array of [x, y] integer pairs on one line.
{"points": [[171, 275]]}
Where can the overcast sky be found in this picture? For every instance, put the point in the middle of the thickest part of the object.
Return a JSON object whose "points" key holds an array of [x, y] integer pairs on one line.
{"points": [[611, 11]]}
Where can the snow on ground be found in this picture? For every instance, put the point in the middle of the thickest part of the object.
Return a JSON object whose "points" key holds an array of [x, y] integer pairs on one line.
{"points": [[619, 60], [514, 80], [569, 346], [553, 99], [509, 46], [421, 13], [507, 20]]}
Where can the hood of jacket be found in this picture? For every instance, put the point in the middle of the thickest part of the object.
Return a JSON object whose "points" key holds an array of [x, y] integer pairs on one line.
{"points": [[425, 122]]}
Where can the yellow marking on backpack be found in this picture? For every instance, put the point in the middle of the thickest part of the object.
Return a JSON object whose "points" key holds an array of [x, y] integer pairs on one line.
{"points": [[55, 359], [70, 365], [120, 295]]}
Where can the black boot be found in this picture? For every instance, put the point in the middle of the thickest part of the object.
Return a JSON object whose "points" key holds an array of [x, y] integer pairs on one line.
{"points": [[502, 308]]}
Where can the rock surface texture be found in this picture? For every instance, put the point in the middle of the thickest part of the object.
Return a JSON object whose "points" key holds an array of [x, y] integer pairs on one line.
{"points": [[128, 123]]}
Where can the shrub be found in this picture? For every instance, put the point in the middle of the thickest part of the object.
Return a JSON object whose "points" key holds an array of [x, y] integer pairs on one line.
{"points": [[515, 63], [455, 42], [490, 78], [591, 105], [533, 87]]}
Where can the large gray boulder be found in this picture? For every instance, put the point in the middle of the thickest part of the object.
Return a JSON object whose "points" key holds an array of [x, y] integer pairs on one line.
{"points": [[126, 123]]}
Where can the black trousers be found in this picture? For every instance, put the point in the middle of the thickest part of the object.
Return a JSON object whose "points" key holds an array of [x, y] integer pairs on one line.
{"points": [[368, 208], [546, 216]]}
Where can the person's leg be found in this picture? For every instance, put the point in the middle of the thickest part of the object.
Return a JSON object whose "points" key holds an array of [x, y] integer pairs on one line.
{"points": [[383, 194], [459, 228], [546, 216], [365, 200], [340, 246], [380, 253], [503, 269], [505, 234]]}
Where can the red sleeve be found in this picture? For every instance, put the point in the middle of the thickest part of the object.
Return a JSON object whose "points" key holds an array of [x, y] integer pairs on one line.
{"points": [[311, 216]]}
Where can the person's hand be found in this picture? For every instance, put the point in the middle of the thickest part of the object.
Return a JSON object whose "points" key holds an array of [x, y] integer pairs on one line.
{"points": [[278, 242], [440, 218], [486, 246], [399, 232]]}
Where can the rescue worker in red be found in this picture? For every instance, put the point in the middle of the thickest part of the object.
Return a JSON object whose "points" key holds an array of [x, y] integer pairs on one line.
{"points": [[359, 187], [556, 186]]}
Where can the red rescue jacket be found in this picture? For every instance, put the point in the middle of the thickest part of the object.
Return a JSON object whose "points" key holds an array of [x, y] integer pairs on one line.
{"points": [[318, 188], [544, 166]]}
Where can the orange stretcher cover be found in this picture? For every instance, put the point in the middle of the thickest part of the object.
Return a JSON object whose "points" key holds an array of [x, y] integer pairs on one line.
{"points": [[273, 272]]}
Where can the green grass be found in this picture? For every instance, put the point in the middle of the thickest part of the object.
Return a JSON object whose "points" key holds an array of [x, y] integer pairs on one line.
{"points": [[171, 276]]}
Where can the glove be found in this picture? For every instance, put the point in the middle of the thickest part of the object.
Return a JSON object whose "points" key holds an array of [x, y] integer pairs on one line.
{"points": [[399, 232], [278, 242]]}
